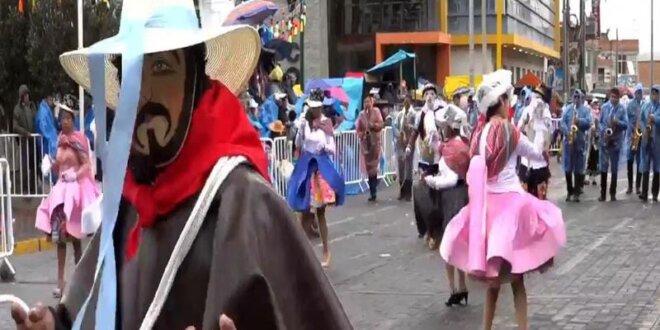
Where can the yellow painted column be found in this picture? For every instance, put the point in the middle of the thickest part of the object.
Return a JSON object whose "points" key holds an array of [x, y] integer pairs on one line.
{"points": [[499, 11], [557, 27], [442, 14]]}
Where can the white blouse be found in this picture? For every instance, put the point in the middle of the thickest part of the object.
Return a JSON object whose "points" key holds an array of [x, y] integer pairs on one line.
{"points": [[314, 141], [507, 180], [446, 177], [546, 120]]}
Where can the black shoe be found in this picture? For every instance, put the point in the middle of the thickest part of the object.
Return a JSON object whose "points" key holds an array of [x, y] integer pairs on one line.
{"points": [[456, 298], [613, 198], [629, 191], [372, 199], [576, 198], [568, 198]]}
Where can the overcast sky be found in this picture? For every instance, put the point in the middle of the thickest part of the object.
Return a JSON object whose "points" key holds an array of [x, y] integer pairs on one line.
{"points": [[633, 21]]}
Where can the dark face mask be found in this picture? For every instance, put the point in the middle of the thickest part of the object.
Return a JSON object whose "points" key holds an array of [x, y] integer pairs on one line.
{"points": [[146, 166]]}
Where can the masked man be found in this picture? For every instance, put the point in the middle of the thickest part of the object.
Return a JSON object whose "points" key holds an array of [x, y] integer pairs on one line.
{"points": [[612, 128], [575, 123], [427, 130], [634, 110], [195, 192], [650, 152]]}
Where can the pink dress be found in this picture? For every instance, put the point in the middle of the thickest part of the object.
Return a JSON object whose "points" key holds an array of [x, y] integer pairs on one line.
{"points": [[69, 199], [503, 232]]}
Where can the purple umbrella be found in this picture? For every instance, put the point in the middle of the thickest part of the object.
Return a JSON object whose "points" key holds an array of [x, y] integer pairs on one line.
{"points": [[253, 12]]}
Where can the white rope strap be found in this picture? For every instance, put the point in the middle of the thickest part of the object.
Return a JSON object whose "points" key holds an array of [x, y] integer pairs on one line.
{"points": [[222, 168]]}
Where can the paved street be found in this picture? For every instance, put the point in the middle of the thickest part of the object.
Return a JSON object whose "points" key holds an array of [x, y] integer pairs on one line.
{"points": [[607, 277]]}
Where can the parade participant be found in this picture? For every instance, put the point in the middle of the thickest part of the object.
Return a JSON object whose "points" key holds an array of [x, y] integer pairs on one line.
{"points": [[45, 125], [427, 130], [613, 124], [575, 123], [503, 233], [369, 130], [315, 183], [403, 127], [592, 158], [195, 191], [524, 99], [650, 149], [59, 215], [450, 185], [538, 171], [634, 134]]}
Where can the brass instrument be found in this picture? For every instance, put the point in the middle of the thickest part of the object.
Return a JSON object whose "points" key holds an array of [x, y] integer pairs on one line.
{"points": [[572, 134], [649, 128], [637, 134], [609, 131]]}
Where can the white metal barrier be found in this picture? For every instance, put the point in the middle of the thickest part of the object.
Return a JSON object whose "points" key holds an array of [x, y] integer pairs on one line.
{"points": [[7, 271], [24, 154]]}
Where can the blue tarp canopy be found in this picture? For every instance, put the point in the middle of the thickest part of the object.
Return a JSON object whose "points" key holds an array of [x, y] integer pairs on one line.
{"points": [[392, 61]]}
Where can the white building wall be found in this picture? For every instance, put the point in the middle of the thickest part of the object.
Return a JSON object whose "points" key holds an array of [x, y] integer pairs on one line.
{"points": [[520, 63], [460, 60]]}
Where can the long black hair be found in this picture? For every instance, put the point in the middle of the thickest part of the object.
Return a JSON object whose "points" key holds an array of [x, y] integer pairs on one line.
{"points": [[493, 109]]}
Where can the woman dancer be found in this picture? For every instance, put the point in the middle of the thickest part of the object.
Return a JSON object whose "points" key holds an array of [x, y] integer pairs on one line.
{"points": [[369, 130], [450, 182], [315, 183], [503, 232], [538, 171], [59, 214]]}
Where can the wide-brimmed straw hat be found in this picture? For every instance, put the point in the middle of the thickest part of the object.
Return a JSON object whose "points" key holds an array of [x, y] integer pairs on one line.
{"points": [[231, 52], [277, 127]]}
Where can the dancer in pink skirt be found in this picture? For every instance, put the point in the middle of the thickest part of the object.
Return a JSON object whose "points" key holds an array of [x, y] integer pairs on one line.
{"points": [[503, 232], [59, 215]]}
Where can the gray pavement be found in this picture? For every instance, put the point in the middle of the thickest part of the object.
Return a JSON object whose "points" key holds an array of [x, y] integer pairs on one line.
{"points": [[607, 277]]}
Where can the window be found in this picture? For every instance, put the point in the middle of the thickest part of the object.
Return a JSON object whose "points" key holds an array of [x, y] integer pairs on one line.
{"points": [[601, 75]]}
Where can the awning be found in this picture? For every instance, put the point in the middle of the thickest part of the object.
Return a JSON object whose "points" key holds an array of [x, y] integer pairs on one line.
{"points": [[390, 63]]}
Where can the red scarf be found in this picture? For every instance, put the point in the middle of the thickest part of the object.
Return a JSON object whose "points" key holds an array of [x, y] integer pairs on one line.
{"points": [[219, 128]]}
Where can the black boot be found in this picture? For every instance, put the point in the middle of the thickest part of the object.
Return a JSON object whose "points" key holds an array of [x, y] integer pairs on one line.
{"points": [[613, 184], [603, 186], [569, 186], [655, 187], [630, 177], [407, 191], [644, 194], [638, 181], [579, 182], [373, 185]]}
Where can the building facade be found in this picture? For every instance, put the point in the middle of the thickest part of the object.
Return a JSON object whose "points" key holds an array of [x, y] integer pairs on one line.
{"points": [[353, 35], [644, 68]]}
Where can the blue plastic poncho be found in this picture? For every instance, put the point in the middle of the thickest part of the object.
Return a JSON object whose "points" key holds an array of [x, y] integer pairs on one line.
{"points": [[610, 150], [650, 151], [574, 156], [46, 125]]}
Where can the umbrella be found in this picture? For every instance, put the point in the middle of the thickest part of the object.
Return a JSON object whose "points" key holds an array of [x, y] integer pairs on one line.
{"points": [[253, 12], [339, 94]]}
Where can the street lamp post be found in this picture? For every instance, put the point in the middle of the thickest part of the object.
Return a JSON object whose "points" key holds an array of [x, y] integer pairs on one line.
{"points": [[652, 60], [81, 91], [471, 40], [566, 45], [484, 49]]}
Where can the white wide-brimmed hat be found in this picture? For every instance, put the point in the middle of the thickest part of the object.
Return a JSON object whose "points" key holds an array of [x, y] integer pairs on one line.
{"points": [[493, 86], [232, 52]]}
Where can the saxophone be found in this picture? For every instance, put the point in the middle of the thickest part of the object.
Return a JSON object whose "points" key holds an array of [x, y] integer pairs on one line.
{"points": [[649, 128], [572, 134], [637, 134]]}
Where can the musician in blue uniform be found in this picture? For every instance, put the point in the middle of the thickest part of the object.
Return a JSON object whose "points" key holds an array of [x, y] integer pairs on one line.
{"points": [[650, 152], [634, 110], [612, 128], [575, 144]]}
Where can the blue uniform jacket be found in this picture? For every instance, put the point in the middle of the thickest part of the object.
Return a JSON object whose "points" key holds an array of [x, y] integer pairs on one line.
{"points": [[617, 139], [573, 158], [650, 151], [46, 125]]}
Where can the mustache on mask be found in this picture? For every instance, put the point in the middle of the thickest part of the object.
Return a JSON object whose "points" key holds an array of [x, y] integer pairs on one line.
{"points": [[149, 111]]}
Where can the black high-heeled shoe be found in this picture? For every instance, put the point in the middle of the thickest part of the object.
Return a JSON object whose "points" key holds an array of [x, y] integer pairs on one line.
{"points": [[463, 296], [454, 299]]}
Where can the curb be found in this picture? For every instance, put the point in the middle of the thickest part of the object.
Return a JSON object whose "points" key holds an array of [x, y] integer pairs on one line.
{"points": [[34, 245]]}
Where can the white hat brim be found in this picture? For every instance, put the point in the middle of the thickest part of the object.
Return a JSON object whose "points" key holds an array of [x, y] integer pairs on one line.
{"points": [[493, 95], [232, 55]]}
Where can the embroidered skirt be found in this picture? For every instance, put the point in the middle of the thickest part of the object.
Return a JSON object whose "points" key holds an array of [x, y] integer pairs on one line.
{"points": [[321, 192]]}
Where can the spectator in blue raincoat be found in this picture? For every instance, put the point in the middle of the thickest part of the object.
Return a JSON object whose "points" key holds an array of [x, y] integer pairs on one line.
{"points": [[89, 118], [274, 108], [523, 101], [634, 109], [650, 152], [612, 128], [573, 160], [46, 125]]}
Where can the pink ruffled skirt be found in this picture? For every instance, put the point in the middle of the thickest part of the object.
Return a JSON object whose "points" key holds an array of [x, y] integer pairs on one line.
{"points": [[73, 197], [516, 234]]}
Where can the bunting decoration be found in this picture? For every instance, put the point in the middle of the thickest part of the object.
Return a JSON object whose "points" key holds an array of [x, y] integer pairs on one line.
{"points": [[291, 25], [20, 6]]}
